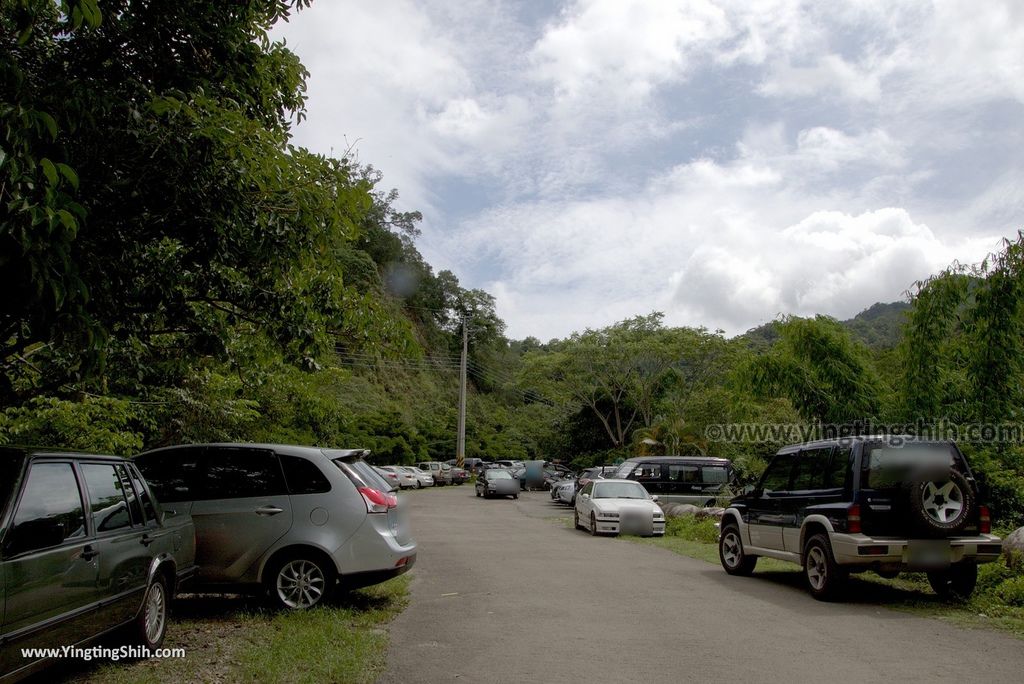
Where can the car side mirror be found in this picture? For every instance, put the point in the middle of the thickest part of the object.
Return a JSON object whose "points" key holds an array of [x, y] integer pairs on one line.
{"points": [[749, 489], [585, 496], [654, 497]]}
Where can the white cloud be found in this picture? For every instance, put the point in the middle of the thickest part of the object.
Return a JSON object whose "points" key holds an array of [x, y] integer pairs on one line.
{"points": [[721, 160]]}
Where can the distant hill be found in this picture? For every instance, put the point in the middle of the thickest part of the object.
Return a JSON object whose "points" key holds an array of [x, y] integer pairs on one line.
{"points": [[878, 326]]}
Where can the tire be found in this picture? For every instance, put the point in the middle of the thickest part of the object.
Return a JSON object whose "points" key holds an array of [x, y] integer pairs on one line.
{"points": [[956, 583], [299, 582], [150, 626], [419, 485], [593, 525], [515, 496], [826, 579], [576, 520], [731, 554], [478, 494], [939, 509]]}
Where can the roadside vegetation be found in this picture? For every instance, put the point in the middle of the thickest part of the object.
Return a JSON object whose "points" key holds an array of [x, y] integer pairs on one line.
{"points": [[235, 639], [997, 602]]}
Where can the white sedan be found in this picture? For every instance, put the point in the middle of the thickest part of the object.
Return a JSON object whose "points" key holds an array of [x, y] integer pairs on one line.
{"points": [[618, 506], [423, 478]]}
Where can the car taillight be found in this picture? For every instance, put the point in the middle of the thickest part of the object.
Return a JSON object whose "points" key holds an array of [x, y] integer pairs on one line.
{"points": [[377, 501], [984, 520], [853, 519]]}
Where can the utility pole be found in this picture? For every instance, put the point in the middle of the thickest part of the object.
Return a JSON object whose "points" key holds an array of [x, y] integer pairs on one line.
{"points": [[460, 449]]}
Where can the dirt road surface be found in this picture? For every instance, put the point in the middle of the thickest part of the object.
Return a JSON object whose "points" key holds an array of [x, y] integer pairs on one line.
{"points": [[505, 591]]}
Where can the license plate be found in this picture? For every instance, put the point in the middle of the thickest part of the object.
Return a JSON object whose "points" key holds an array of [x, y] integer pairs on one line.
{"points": [[634, 523], [928, 555]]}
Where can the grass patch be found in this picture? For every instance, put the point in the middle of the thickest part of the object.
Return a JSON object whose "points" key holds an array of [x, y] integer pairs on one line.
{"points": [[998, 601], [236, 639]]}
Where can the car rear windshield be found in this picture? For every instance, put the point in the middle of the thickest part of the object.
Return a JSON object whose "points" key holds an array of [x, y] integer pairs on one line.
{"points": [[619, 490], [10, 466], [499, 475], [889, 465], [364, 475]]}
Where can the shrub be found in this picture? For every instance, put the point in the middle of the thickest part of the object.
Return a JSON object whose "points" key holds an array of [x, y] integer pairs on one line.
{"points": [[1011, 591], [693, 528]]}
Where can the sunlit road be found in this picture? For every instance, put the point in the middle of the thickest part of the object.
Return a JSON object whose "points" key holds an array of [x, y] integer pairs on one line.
{"points": [[503, 593]]}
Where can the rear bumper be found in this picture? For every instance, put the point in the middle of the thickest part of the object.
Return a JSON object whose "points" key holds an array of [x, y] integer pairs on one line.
{"points": [[369, 578], [893, 553]]}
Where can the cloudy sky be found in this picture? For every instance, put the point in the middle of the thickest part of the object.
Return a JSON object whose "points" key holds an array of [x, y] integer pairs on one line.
{"points": [[722, 161]]}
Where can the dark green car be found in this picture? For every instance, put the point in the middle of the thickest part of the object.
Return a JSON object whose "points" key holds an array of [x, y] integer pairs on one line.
{"points": [[84, 549]]}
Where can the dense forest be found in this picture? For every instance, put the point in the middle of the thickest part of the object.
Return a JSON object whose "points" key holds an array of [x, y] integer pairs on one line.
{"points": [[175, 270]]}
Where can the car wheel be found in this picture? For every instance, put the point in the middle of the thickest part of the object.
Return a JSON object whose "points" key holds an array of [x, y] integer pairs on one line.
{"points": [[826, 579], [576, 520], [941, 508], [150, 625], [478, 493], [593, 525], [515, 496], [955, 583], [299, 582], [731, 554]]}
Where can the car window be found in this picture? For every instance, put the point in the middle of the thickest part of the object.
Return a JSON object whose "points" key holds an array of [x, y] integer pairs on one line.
{"points": [[620, 490], [683, 473], [174, 474], [303, 476], [588, 488], [134, 505], [50, 510], [498, 475], [890, 465], [714, 474], [106, 497], [811, 469], [648, 471], [10, 466], [148, 509], [236, 473], [369, 476], [624, 470], [776, 476]]}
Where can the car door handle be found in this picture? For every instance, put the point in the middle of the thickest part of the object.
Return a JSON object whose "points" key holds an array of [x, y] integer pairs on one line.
{"points": [[269, 510], [88, 553], [146, 540]]}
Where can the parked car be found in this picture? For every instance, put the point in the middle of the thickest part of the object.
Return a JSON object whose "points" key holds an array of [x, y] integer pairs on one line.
{"points": [[850, 505], [85, 549], [406, 480], [441, 472], [497, 482], [679, 479], [618, 507], [459, 475], [563, 491], [594, 473], [390, 476], [293, 522], [423, 478]]}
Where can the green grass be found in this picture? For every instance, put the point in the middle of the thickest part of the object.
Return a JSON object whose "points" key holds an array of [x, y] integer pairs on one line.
{"points": [[998, 601], [236, 639]]}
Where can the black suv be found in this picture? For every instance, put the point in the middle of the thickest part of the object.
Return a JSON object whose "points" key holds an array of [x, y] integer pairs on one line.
{"points": [[866, 503]]}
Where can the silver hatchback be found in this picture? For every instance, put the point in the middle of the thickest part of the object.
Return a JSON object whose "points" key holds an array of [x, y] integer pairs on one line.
{"points": [[295, 522]]}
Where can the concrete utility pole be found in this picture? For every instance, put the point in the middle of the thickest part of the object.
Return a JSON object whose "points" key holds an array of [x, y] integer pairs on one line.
{"points": [[460, 448]]}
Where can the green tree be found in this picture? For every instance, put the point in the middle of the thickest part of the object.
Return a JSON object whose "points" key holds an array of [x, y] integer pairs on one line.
{"points": [[818, 367]]}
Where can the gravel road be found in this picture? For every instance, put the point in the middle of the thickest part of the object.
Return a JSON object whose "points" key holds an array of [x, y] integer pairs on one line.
{"points": [[506, 591]]}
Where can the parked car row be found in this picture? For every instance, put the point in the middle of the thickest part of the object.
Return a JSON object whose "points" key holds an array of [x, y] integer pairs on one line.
{"points": [[89, 543]]}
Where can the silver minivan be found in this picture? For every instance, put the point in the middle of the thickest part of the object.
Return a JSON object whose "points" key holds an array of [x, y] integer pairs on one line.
{"points": [[292, 521]]}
